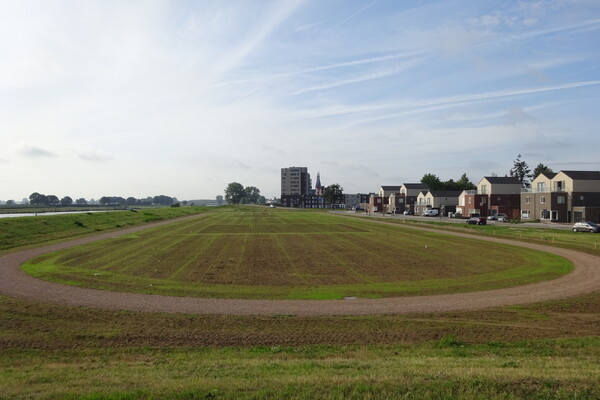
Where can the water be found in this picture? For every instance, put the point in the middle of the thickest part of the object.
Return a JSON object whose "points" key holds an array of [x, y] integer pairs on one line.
{"points": [[41, 214]]}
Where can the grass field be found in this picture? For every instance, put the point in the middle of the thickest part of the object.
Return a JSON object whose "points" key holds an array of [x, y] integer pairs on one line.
{"points": [[34, 230], [539, 351], [277, 254]]}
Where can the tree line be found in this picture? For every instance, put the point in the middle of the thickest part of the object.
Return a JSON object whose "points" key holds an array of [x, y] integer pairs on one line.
{"points": [[39, 199], [520, 170], [236, 193]]}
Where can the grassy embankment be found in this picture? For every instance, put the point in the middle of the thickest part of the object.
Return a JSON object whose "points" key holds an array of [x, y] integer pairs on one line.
{"points": [[272, 254], [26, 231], [538, 351]]}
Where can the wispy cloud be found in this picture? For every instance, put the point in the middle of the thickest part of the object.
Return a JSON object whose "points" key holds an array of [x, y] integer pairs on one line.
{"points": [[94, 156], [35, 152]]}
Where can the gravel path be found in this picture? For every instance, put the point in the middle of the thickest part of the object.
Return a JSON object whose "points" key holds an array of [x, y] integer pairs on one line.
{"points": [[585, 278]]}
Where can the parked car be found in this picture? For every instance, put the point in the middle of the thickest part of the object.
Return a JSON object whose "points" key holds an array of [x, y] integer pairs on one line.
{"points": [[586, 226], [476, 221], [409, 212], [498, 217], [431, 213]]}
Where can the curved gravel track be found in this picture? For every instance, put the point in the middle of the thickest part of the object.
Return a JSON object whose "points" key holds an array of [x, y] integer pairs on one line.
{"points": [[584, 278]]}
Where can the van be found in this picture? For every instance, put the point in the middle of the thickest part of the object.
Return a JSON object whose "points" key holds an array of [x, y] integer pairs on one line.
{"points": [[431, 213]]}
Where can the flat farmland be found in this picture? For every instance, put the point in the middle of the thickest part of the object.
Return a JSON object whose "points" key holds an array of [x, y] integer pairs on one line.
{"points": [[282, 254]]}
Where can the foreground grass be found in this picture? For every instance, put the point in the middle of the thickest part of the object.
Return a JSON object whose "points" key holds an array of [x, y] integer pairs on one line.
{"points": [[274, 254], [539, 351], [559, 369], [26, 231]]}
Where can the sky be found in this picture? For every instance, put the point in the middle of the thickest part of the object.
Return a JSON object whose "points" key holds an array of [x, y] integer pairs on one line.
{"points": [[180, 98]]}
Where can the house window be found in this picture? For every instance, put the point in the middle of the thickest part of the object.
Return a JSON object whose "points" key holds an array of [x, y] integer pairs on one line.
{"points": [[543, 200], [560, 199], [580, 197], [469, 200], [541, 186], [527, 200], [525, 214], [483, 189]]}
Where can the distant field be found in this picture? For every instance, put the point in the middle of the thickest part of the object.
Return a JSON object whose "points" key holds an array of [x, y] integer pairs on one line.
{"points": [[277, 254]]}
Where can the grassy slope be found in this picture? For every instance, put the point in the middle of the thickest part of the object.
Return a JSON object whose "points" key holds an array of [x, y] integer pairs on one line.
{"points": [[537, 351], [27, 231], [263, 253]]}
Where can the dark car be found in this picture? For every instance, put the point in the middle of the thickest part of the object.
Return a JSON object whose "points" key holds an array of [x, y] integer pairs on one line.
{"points": [[476, 221], [586, 226]]}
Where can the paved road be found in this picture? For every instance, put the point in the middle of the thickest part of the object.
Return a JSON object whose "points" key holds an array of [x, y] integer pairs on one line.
{"points": [[585, 278], [543, 225]]}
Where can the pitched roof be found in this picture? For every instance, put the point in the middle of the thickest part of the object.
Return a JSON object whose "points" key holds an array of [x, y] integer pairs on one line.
{"points": [[388, 188], [549, 175], [446, 193], [502, 180], [416, 186], [583, 175]]}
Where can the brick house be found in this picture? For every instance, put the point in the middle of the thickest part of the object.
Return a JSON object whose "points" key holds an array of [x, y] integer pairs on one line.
{"points": [[566, 196]]}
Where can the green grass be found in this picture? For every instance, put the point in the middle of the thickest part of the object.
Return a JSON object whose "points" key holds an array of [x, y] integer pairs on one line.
{"points": [[560, 369], [585, 242], [274, 254], [26, 231], [538, 351]]}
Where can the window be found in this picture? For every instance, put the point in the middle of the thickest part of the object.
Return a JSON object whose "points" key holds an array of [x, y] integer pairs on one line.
{"points": [[560, 199], [527, 200], [543, 200], [483, 189], [541, 186], [525, 214], [580, 197], [469, 200]]}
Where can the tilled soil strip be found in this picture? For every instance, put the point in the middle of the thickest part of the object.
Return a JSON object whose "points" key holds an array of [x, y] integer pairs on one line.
{"points": [[584, 278]]}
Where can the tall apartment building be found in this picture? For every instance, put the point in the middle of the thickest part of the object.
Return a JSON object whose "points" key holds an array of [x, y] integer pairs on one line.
{"points": [[296, 189]]}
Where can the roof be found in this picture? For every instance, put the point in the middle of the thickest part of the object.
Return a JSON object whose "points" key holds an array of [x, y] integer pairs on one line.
{"points": [[504, 180], [446, 193], [549, 175], [583, 175], [416, 186], [388, 188]]}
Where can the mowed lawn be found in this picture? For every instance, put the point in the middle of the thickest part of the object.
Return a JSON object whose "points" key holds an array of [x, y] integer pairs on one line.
{"points": [[284, 254]]}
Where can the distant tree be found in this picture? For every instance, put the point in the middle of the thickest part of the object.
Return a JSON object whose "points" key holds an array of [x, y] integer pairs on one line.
{"points": [[521, 171], [38, 199], [251, 195], [185, 202], [261, 200], [464, 183], [541, 169], [432, 181], [66, 201], [175, 205], [131, 201], [10, 202], [234, 193], [53, 200], [25, 202], [162, 200], [333, 194], [81, 201]]}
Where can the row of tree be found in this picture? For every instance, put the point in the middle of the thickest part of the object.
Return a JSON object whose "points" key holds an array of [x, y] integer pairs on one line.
{"points": [[520, 170], [436, 183], [236, 193], [39, 199]]}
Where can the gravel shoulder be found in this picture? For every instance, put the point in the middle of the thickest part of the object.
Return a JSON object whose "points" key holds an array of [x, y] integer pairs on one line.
{"points": [[585, 278]]}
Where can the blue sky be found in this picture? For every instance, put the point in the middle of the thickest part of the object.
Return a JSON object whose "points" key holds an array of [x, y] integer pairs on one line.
{"points": [[140, 98]]}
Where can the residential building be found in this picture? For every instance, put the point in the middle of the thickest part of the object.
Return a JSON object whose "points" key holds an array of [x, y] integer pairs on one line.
{"points": [[503, 195], [443, 200], [357, 200], [411, 191], [566, 196], [296, 188]]}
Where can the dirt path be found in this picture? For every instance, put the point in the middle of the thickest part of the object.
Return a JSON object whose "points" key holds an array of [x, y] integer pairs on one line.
{"points": [[585, 278]]}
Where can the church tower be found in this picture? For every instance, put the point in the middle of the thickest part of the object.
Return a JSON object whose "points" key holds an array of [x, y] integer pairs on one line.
{"points": [[318, 186]]}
